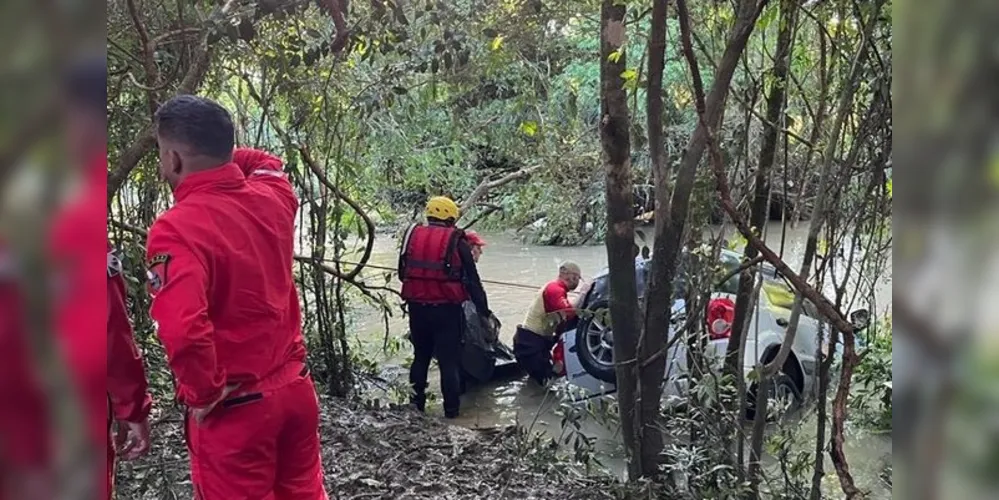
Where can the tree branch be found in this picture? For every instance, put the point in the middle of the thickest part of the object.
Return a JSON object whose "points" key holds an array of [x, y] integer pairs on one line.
{"points": [[337, 10], [195, 75], [485, 186], [147, 138], [321, 175], [148, 58]]}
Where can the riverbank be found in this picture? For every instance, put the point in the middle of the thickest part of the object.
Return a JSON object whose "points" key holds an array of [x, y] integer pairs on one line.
{"points": [[394, 453]]}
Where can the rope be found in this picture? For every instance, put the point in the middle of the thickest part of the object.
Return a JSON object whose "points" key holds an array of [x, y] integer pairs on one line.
{"points": [[394, 270]]}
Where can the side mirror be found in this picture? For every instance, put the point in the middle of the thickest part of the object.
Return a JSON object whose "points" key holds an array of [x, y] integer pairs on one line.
{"points": [[861, 319]]}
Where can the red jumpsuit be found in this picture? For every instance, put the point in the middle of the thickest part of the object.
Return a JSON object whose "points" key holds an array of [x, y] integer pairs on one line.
{"points": [[224, 300], [112, 381], [126, 382], [81, 317], [24, 433]]}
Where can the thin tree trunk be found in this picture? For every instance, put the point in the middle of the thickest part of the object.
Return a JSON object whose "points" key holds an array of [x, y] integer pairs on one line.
{"points": [[820, 432], [761, 191], [658, 296], [711, 110], [616, 143], [850, 360]]}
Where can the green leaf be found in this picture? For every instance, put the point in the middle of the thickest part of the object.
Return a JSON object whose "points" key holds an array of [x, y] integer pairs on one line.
{"points": [[497, 43], [629, 74], [615, 56], [529, 128], [767, 18], [737, 242]]}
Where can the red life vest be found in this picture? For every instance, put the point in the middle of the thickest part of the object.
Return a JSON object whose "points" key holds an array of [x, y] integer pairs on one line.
{"points": [[430, 267]]}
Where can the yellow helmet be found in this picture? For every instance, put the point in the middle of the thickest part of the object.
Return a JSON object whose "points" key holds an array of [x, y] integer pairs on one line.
{"points": [[442, 208]]}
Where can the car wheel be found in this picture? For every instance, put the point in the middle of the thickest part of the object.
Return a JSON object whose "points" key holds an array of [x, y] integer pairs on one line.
{"points": [[595, 344], [784, 398]]}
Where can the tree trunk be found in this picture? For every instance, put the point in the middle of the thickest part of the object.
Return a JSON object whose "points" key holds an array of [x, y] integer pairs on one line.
{"points": [[758, 217], [651, 352], [616, 144], [710, 110]]}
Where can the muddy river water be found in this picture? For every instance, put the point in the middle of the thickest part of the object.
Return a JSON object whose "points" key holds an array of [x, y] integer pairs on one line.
{"points": [[507, 402]]}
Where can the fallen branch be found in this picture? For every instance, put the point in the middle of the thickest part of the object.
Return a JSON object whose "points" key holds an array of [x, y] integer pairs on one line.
{"points": [[490, 209], [485, 186]]}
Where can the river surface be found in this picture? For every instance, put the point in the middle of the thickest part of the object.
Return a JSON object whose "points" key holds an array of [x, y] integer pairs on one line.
{"points": [[507, 259]]}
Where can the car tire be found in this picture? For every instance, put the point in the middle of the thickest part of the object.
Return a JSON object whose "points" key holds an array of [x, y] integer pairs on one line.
{"points": [[597, 369], [782, 388]]}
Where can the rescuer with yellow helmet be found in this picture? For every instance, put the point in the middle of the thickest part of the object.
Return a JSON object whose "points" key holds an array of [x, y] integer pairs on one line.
{"points": [[438, 274]]}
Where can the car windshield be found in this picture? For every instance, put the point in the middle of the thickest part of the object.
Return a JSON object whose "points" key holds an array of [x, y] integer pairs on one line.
{"points": [[729, 263]]}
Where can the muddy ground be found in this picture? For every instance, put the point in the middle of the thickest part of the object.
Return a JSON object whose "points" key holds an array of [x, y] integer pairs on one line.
{"points": [[374, 453]]}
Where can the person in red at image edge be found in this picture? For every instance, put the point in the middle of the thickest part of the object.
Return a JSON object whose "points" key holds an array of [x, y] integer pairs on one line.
{"points": [[25, 444], [224, 300], [80, 250]]}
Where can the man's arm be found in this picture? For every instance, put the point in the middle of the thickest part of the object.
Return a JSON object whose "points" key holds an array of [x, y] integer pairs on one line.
{"points": [[264, 168], [127, 386], [256, 162], [473, 284], [179, 286], [557, 302]]}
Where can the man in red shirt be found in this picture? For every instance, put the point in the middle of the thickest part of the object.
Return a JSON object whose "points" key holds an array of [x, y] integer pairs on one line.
{"points": [[224, 300], [550, 314]]}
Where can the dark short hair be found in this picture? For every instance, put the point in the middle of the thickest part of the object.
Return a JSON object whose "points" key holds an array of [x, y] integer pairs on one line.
{"points": [[199, 123], [85, 83]]}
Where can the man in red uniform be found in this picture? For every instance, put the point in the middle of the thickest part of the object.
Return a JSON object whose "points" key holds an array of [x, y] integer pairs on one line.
{"points": [[438, 274], [550, 314], [224, 299]]}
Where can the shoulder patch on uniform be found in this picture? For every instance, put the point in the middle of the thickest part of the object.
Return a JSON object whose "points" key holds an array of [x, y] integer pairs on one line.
{"points": [[114, 264], [160, 258], [156, 272]]}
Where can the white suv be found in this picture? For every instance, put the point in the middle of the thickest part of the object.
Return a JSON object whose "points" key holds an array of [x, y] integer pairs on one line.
{"points": [[586, 353]]}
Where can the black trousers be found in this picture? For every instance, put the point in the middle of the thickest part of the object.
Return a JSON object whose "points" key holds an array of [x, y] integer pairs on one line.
{"points": [[534, 354], [436, 330]]}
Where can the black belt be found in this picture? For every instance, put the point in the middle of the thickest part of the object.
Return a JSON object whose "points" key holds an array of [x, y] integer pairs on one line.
{"points": [[254, 396]]}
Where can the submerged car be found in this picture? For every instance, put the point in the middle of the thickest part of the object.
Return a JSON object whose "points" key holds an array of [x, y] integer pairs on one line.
{"points": [[586, 354]]}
